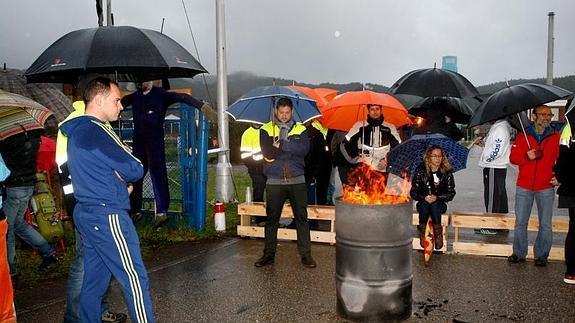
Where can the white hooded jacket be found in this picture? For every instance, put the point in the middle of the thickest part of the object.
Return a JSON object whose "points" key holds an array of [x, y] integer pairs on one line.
{"points": [[497, 148]]}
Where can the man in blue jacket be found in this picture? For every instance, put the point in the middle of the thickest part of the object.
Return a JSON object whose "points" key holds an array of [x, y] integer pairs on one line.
{"points": [[284, 145], [101, 168], [149, 106]]}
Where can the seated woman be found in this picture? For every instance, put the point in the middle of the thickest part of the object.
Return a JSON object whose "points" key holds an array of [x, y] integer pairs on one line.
{"points": [[432, 187]]}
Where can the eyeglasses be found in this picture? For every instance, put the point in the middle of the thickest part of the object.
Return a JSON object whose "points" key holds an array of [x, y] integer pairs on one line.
{"points": [[550, 115]]}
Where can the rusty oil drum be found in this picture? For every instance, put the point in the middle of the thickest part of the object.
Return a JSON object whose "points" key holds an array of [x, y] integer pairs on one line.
{"points": [[373, 261]]}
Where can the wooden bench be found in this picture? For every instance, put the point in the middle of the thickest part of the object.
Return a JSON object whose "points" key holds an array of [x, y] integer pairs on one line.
{"points": [[314, 212], [500, 221]]}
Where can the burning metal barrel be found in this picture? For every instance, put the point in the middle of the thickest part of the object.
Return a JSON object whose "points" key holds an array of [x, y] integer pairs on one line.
{"points": [[373, 261]]}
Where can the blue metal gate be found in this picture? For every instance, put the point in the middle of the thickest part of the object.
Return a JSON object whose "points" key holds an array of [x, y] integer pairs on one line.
{"points": [[186, 143]]}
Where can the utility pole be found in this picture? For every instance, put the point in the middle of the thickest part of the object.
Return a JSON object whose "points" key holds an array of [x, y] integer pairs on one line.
{"points": [[109, 17], [550, 47], [224, 183]]}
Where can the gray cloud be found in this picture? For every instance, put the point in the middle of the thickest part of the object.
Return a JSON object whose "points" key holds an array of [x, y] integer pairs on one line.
{"points": [[378, 41]]}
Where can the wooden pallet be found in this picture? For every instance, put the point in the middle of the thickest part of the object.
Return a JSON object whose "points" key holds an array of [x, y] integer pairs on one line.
{"points": [[315, 212], [499, 221]]}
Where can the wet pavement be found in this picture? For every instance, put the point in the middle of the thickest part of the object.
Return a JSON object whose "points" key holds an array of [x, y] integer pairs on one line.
{"points": [[215, 281]]}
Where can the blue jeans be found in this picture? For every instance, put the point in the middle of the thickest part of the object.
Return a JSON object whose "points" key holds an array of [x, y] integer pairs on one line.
{"points": [[523, 205], [75, 279], [435, 210], [15, 205]]}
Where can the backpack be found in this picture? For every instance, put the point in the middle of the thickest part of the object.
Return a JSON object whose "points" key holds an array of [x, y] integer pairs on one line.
{"points": [[45, 211]]}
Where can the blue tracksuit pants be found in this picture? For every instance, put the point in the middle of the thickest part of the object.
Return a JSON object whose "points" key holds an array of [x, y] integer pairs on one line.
{"points": [[111, 247]]}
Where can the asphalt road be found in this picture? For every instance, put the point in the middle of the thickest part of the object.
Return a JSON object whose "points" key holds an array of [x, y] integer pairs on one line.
{"points": [[215, 281]]}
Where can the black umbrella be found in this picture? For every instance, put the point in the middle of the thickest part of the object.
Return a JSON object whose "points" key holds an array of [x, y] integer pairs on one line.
{"points": [[514, 99], [130, 53], [458, 109], [437, 82]]}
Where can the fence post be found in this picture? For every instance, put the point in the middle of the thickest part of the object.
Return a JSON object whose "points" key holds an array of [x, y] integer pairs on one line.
{"points": [[202, 172], [188, 161]]}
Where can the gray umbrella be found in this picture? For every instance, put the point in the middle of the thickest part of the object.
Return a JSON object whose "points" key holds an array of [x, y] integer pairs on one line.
{"points": [[13, 80]]}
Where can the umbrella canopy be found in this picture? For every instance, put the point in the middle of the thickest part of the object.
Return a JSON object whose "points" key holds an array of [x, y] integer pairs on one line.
{"points": [[434, 82], [326, 93], [350, 107], [13, 80], [313, 94], [131, 53], [514, 99], [257, 105], [458, 109], [19, 114], [409, 154]]}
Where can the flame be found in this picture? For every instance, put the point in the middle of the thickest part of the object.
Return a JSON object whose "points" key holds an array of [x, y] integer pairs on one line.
{"points": [[367, 186], [419, 121]]}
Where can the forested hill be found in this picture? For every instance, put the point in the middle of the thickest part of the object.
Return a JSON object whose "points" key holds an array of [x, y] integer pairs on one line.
{"points": [[241, 82]]}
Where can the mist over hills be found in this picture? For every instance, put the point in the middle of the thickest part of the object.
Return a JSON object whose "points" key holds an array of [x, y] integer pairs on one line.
{"points": [[241, 82]]}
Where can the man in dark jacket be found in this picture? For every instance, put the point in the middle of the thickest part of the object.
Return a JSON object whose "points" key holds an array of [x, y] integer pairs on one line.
{"points": [[149, 106], [317, 166], [284, 145], [19, 153]]}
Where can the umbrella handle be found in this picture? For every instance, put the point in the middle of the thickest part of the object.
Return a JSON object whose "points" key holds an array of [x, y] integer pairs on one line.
{"points": [[524, 132]]}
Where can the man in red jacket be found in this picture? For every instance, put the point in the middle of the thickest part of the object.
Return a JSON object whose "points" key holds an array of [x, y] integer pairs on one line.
{"points": [[535, 154]]}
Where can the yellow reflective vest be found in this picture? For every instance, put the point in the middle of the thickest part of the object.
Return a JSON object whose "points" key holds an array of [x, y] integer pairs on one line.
{"points": [[250, 144]]}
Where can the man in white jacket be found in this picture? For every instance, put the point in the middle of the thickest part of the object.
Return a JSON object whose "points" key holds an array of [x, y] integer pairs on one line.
{"points": [[370, 140], [494, 160]]}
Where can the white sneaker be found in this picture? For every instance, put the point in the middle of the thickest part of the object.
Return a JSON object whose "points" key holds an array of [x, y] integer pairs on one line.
{"points": [[569, 279]]}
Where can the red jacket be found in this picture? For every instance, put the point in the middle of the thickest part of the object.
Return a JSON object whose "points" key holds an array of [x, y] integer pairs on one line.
{"points": [[535, 174]]}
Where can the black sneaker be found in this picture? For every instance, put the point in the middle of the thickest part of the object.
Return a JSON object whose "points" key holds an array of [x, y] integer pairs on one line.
{"points": [[540, 262], [111, 317], [264, 261], [47, 261], [514, 259], [308, 262]]}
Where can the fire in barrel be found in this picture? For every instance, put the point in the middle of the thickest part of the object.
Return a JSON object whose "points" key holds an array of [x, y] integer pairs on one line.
{"points": [[373, 247]]}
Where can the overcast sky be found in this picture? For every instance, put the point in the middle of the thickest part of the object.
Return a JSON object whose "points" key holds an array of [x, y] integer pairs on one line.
{"points": [[317, 41]]}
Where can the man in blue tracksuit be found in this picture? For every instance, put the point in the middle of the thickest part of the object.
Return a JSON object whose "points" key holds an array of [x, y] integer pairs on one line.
{"points": [[101, 168], [149, 106]]}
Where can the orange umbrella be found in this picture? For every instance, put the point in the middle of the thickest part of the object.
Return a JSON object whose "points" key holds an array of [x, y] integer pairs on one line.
{"points": [[320, 100], [348, 108], [328, 94]]}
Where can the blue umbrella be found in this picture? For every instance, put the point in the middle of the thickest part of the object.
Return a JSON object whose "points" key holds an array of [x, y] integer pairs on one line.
{"points": [[409, 154], [257, 105]]}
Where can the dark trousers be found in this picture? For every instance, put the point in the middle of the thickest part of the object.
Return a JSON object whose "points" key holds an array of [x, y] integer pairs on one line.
{"points": [[322, 185], [153, 157], [494, 191], [570, 244], [276, 195], [259, 186], [435, 210], [343, 171]]}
